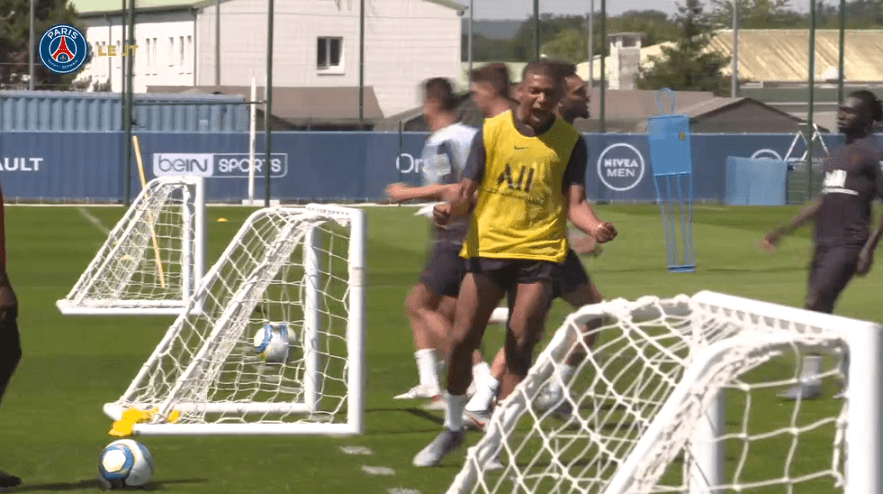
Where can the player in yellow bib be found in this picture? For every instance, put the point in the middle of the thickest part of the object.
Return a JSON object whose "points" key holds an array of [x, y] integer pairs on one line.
{"points": [[528, 170]]}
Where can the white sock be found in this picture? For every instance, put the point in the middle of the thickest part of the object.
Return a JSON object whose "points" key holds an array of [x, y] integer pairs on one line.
{"points": [[426, 367], [480, 372], [812, 367], [484, 395], [454, 415], [565, 372]]}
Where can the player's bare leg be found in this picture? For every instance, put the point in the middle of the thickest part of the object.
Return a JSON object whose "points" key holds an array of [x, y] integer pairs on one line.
{"points": [[480, 369], [430, 329], [553, 396], [526, 325], [479, 296]]}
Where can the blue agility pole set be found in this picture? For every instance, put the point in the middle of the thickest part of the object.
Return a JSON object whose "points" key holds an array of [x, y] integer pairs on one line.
{"points": [[669, 137]]}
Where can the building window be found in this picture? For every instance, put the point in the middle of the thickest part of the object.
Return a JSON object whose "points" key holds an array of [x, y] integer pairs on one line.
{"points": [[171, 51], [153, 56], [181, 53], [329, 55], [148, 62], [188, 57]]}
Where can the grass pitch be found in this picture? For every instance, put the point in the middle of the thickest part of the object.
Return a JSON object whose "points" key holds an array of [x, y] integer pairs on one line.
{"points": [[52, 427]]}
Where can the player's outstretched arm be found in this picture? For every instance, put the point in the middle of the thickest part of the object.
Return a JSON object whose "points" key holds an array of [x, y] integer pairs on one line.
{"points": [[400, 192], [809, 212], [583, 216]]}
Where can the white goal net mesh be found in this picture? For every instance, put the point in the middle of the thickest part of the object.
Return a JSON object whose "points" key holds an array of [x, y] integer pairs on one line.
{"points": [[148, 258], [288, 275], [675, 396]]}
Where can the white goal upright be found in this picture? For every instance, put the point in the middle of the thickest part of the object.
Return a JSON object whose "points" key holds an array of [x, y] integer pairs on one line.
{"points": [[296, 270], [153, 258], [680, 395]]}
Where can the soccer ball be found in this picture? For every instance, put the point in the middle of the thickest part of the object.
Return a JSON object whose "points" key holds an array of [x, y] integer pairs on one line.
{"points": [[273, 342], [125, 463]]}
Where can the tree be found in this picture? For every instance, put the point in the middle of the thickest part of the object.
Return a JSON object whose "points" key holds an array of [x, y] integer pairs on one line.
{"points": [[756, 14], [688, 66], [14, 35], [572, 43], [569, 44]]}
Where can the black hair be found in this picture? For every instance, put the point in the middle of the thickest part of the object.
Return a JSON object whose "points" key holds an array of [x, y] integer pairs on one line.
{"points": [[441, 90], [547, 68], [565, 68], [495, 74], [871, 102]]}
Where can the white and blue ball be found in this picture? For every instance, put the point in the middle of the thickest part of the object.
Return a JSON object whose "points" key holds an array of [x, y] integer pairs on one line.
{"points": [[273, 342], [125, 463]]}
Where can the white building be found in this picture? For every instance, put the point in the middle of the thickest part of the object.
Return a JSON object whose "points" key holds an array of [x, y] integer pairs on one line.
{"points": [[316, 44]]}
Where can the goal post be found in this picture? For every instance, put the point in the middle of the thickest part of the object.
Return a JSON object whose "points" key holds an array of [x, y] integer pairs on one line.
{"points": [[299, 271], [679, 395], [153, 258]]}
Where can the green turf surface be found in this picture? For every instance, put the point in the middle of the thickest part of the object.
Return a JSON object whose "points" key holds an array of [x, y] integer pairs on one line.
{"points": [[52, 427]]}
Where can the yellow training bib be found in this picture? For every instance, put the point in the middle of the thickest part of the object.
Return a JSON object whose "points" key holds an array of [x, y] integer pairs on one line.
{"points": [[521, 209]]}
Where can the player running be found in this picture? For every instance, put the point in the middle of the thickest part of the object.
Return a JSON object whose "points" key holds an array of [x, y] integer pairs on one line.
{"points": [[575, 287], [842, 216], [430, 305], [528, 169]]}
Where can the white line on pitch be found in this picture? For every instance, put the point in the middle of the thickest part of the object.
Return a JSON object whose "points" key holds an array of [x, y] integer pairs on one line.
{"points": [[402, 490], [378, 470], [92, 219], [356, 450]]}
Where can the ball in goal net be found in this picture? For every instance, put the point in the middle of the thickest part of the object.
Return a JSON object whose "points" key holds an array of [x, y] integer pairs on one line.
{"points": [[298, 270], [681, 395]]}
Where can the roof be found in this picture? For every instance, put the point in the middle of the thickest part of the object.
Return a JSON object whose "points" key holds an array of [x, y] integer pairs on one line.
{"points": [[97, 7], [781, 55], [158, 96], [637, 103], [299, 104]]}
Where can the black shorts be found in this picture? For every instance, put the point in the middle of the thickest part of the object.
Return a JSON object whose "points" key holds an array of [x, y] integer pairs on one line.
{"points": [[445, 270], [573, 274], [832, 267], [507, 273]]}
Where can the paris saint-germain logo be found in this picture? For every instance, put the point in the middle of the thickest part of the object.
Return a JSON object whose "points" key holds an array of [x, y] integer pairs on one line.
{"points": [[63, 49]]}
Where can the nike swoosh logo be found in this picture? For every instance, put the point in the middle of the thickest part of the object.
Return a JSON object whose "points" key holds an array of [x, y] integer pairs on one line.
{"points": [[520, 148]]}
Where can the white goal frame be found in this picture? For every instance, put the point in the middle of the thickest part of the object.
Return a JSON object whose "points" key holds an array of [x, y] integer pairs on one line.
{"points": [[193, 243], [355, 339], [768, 335]]}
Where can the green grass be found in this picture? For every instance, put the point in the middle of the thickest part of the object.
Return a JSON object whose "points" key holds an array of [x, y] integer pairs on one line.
{"points": [[52, 427]]}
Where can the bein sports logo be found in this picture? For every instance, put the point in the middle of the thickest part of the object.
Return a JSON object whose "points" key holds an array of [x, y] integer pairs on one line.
{"points": [[201, 165], [621, 167], [220, 165], [63, 49]]}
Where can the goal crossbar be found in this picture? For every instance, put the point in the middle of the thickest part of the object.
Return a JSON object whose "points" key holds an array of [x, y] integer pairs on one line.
{"points": [[727, 337], [153, 258], [298, 267]]}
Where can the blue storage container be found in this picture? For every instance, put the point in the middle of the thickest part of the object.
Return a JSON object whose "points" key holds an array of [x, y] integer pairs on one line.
{"points": [[65, 111]]}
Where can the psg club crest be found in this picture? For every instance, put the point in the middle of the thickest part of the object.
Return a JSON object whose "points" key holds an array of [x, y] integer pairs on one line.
{"points": [[63, 49]]}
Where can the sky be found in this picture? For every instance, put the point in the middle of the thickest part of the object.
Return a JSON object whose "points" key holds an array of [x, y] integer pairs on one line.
{"points": [[517, 9]]}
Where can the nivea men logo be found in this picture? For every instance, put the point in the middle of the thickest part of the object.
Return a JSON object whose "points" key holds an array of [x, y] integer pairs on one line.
{"points": [[621, 167], [199, 164]]}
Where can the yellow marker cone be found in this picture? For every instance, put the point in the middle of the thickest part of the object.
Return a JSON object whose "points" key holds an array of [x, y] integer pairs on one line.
{"points": [[222, 220], [124, 426]]}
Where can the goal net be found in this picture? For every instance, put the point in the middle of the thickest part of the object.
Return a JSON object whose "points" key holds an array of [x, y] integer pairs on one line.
{"points": [[272, 340], [152, 259], [681, 395]]}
